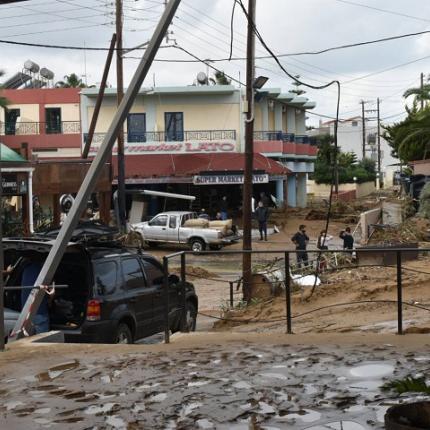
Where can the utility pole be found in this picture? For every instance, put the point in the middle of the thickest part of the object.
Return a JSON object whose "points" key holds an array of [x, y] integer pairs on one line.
{"points": [[378, 119], [2, 334], [120, 139], [363, 128], [249, 154], [422, 89]]}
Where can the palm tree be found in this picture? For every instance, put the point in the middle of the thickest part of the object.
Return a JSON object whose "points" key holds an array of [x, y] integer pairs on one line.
{"points": [[421, 94], [3, 100], [71, 81]]}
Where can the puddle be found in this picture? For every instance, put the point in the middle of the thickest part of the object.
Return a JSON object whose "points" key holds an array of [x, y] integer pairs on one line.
{"points": [[338, 425], [198, 383], [96, 409], [204, 424], [372, 370], [265, 408], [12, 405], [366, 385], [116, 422], [242, 385], [305, 415], [158, 398], [274, 376], [42, 411]]}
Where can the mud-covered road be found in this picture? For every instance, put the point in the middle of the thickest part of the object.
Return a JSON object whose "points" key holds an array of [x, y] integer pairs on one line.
{"points": [[241, 384]]}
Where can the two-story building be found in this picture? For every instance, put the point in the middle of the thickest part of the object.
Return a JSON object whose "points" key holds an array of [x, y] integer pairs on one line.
{"points": [[191, 139]]}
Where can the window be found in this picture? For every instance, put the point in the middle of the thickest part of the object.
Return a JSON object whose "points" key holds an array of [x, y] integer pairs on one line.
{"points": [[154, 273], [133, 275], [136, 127], [106, 274], [160, 221], [53, 120], [174, 126], [354, 123], [11, 116], [173, 222]]}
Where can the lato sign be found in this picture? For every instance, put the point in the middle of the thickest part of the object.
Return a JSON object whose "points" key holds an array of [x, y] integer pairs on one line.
{"points": [[228, 179], [139, 148]]}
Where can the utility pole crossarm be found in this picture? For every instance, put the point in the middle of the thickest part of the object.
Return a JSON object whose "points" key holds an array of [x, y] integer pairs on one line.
{"points": [[57, 251]]}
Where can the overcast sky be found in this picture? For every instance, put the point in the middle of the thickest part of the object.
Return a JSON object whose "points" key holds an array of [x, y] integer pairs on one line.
{"points": [[202, 27]]}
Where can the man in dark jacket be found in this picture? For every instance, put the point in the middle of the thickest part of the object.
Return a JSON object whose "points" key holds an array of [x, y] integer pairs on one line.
{"points": [[262, 214], [301, 241], [348, 238]]}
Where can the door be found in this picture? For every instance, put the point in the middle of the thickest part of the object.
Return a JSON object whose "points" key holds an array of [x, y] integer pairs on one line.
{"points": [[53, 120], [174, 126], [136, 127], [139, 296], [155, 278], [172, 231], [11, 116], [157, 229]]}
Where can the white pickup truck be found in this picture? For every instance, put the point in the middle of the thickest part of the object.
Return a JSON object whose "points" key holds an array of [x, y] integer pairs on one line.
{"points": [[168, 227]]}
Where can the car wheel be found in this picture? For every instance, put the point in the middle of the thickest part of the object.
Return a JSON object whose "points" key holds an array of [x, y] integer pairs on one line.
{"points": [[215, 247], [152, 244], [190, 318], [123, 334], [197, 245]]}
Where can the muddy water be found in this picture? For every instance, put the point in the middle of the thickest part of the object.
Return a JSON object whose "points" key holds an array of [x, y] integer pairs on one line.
{"points": [[248, 387]]}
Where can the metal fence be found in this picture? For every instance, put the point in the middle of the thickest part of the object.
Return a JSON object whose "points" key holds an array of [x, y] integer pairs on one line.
{"points": [[392, 258], [35, 128]]}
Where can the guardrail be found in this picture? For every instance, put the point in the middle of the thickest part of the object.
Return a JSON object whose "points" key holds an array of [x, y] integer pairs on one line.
{"points": [[167, 136], [35, 128], [391, 254]]}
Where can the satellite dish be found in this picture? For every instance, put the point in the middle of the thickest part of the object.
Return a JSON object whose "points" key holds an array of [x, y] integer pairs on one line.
{"points": [[31, 66], [202, 79], [46, 73], [66, 202]]}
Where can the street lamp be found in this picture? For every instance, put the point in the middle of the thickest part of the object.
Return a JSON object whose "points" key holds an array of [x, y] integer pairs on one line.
{"points": [[259, 82]]}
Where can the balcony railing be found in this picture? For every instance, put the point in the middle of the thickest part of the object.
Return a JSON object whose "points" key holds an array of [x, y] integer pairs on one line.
{"points": [[274, 135], [165, 136], [302, 139], [35, 128]]}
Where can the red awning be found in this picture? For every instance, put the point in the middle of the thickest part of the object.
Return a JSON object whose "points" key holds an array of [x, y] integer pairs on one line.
{"points": [[186, 165]]}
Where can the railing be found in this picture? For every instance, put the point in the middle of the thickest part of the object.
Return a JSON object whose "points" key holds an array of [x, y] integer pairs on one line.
{"points": [[274, 135], [389, 258], [165, 136], [302, 139], [35, 128]]}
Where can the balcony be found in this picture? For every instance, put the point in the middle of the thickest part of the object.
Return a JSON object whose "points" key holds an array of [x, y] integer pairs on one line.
{"points": [[165, 136], [37, 128], [274, 135]]}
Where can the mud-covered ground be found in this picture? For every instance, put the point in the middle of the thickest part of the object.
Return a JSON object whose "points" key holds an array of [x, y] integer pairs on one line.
{"points": [[209, 383]]}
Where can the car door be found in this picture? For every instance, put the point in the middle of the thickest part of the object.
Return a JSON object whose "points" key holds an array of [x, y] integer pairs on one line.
{"points": [[138, 295], [172, 231], [155, 277], [157, 229]]}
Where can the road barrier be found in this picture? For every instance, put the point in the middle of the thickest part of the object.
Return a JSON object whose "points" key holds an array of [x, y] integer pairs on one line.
{"points": [[397, 253]]}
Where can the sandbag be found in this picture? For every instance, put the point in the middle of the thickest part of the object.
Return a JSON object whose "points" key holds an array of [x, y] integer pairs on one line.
{"points": [[197, 222], [221, 223], [222, 228]]}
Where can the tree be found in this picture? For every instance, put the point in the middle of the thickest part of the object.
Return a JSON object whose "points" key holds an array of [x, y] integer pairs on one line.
{"points": [[297, 90], [220, 79], [420, 94], [71, 81], [3, 100]]}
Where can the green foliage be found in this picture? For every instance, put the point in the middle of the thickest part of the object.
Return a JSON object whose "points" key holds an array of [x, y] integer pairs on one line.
{"points": [[71, 81], [3, 100], [297, 87], [407, 385], [220, 79], [424, 211], [348, 167]]}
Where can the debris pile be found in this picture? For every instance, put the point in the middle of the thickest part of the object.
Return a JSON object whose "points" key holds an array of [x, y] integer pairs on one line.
{"points": [[412, 230], [195, 272]]}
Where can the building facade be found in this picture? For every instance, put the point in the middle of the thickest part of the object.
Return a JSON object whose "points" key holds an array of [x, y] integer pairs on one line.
{"points": [[202, 120]]}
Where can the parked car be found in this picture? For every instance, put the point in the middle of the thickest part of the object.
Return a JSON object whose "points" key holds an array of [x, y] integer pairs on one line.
{"points": [[169, 227], [114, 294]]}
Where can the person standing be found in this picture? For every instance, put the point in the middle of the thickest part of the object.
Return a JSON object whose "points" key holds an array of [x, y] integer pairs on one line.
{"points": [[262, 215], [348, 238], [301, 240], [264, 199], [323, 240], [223, 207]]}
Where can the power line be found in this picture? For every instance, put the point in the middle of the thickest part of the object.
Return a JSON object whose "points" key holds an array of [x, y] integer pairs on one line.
{"points": [[391, 12]]}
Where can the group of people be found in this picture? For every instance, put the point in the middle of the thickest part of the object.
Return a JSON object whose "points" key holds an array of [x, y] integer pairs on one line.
{"points": [[301, 240]]}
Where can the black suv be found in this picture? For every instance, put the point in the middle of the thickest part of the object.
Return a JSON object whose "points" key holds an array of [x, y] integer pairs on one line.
{"points": [[114, 294]]}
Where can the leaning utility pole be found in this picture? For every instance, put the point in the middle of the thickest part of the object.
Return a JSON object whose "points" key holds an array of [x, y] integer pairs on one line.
{"points": [[249, 154], [363, 128], [121, 222], [378, 119], [422, 89], [59, 247]]}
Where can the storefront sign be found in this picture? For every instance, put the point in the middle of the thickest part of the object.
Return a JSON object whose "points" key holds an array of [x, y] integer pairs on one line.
{"points": [[188, 147], [228, 179], [14, 184]]}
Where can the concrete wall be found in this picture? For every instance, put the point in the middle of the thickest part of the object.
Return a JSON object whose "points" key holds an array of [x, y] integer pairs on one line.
{"points": [[366, 218], [323, 190]]}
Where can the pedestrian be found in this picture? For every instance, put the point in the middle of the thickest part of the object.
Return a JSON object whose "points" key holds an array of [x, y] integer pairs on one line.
{"points": [[348, 238], [301, 241], [262, 214], [323, 239], [223, 207], [218, 216], [264, 199]]}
